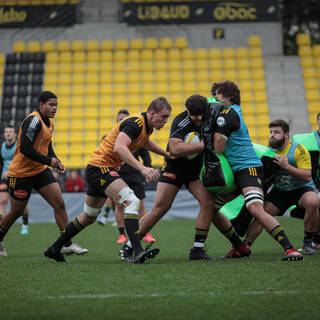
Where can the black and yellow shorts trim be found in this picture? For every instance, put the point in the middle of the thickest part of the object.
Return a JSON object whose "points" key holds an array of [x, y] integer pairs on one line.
{"points": [[285, 199], [98, 179], [180, 175], [20, 188], [4, 185], [249, 177]]}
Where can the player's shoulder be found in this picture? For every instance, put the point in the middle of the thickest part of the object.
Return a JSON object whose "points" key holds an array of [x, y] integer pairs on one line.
{"points": [[181, 120], [301, 149]]}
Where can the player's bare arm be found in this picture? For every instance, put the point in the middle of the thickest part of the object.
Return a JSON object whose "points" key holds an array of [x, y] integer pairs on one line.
{"points": [[179, 148], [219, 142]]}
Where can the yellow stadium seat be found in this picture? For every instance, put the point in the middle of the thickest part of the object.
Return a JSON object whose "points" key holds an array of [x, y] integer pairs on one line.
{"points": [[61, 136], [201, 53], [64, 78], [214, 53], [256, 63], [64, 67], [51, 68], [254, 41], [181, 43], [316, 62], [91, 123], [136, 43], [303, 39], [120, 100], [305, 51], [261, 108], [90, 136], [306, 62], [93, 67], [242, 53], [93, 56], [76, 147], [216, 75], [134, 100], [151, 43], [78, 90], [260, 96], [187, 54], [246, 97], [120, 56], [63, 113], [160, 54], [76, 111], [52, 57], [231, 75], [133, 55], [122, 44], [104, 102], [160, 65], [119, 66], [133, 66], [47, 86], [229, 64], [244, 74], [188, 65], [63, 45], [309, 73], [243, 63], [263, 120], [202, 75], [174, 76], [119, 77], [48, 46], [215, 64], [250, 120], [92, 77], [106, 56], [174, 54], [105, 68], [257, 74], [161, 76], [189, 87], [147, 76], [174, 65], [92, 45], [120, 88], [259, 84], [134, 88], [34, 46], [78, 67], [161, 88], [203, 87], [310, 83], [2, 59], [79, 56], [106, 44], [133, 77], [228, 53], [77, 45], [165, 43], [146, 66], [316, 50], [78, 78], [312, 95], [61, 149], [314, 106], [105, 88], [202, 64], [248, 109], [64, 90], [147, 88], [189, 76], [65, 56], [175, 99], [255, 52], [92, 89], [146, 100], [19, 46], [175, 87]]}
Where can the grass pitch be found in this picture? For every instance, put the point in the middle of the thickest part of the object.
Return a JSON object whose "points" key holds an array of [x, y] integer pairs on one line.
{"points": [[101, 286]]}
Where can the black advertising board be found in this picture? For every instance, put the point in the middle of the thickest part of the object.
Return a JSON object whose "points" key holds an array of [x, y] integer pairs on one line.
{"points": [[37, 16], [201, 12]]}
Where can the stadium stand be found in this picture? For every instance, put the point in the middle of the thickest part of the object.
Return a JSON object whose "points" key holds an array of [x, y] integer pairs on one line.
{"points": [[310, 63], [93, 79]]}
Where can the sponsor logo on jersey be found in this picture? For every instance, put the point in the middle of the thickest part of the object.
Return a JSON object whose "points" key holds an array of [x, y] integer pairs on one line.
{"points": [[221, 121], [20, 194], [114, 173]]}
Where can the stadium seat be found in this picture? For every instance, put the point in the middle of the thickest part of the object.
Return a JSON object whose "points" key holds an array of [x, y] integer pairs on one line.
{"points": [[309, 73], [120, 89], [261, 108], [165, 43], [243, 63], [316, 50], [65, 56], [92, 77], [121, 44], [133, 55], [78, 90], [216, 75], [52, 57], [147, 76], [120, 66], [146, 55], [136, 43], [200, 53], [181, 43], [255, 52], [133, 77], [229, 63], [303, 39], [78, 78], [63, 45], [77, 45], [89, 137], [91, 123], [256, 63], [175, 87], [242, 53], [106, 45], [189, 87], [19, 46], [187, 54], [63, 113], [146, 66], [310, 83], [314, 106], [228, 53], [259, 85], [64, 90], [188, 65], [306, 62], [260, 96], [34, 46], [160, 66], [202, 64], [160, 54], [120, 77], [214, 53], [92, 45], [119, 56], [151, 43], [106, 56], [257, 74], [92, 89], [64, 67], [312, 95], [231, 75], [254, 41], [173, 65], [64, 78], [48, 46], [305, 51], [105, 88], [79, 56]]}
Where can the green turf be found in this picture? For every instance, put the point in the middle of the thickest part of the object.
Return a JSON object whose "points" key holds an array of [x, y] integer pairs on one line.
{"points": [[100, 286]]}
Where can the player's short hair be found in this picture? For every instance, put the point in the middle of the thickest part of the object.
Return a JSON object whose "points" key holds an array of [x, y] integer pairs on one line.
{"points": [[228, 89], [318, 115], [280, 123], [123, 111], [9, 126], [158, 104], [196, 105], [46, 96]]}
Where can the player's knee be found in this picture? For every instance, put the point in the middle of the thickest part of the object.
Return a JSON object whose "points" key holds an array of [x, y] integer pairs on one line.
{"points": [[91, 212], [129, 200], [253, 200]]}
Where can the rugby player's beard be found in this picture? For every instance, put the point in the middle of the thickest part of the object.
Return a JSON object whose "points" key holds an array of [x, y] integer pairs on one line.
{"points": [[276, 144]]}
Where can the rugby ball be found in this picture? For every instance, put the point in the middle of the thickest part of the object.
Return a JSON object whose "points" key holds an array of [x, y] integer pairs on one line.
{"points": [[192, 137]]}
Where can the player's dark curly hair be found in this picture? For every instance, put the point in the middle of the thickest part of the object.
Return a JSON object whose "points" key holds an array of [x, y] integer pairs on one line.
{"points": [[46, 96], [197, 105], [280, 123], [228, 89], [158, 104]]}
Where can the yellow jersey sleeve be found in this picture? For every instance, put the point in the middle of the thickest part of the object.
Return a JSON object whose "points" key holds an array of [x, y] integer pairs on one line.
{"points": [[302, 157]]}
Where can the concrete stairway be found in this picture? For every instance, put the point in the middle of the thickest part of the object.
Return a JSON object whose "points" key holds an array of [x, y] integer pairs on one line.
{"points": [[285, 90]]}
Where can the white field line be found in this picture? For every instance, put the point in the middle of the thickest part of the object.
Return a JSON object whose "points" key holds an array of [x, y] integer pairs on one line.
{"points": [[182, 294]]}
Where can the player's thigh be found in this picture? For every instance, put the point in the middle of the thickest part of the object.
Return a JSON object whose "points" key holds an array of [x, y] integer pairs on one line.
{"points": [[309, 200], [52, 194], [113, 189], [165, 195], [204, 197]]}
